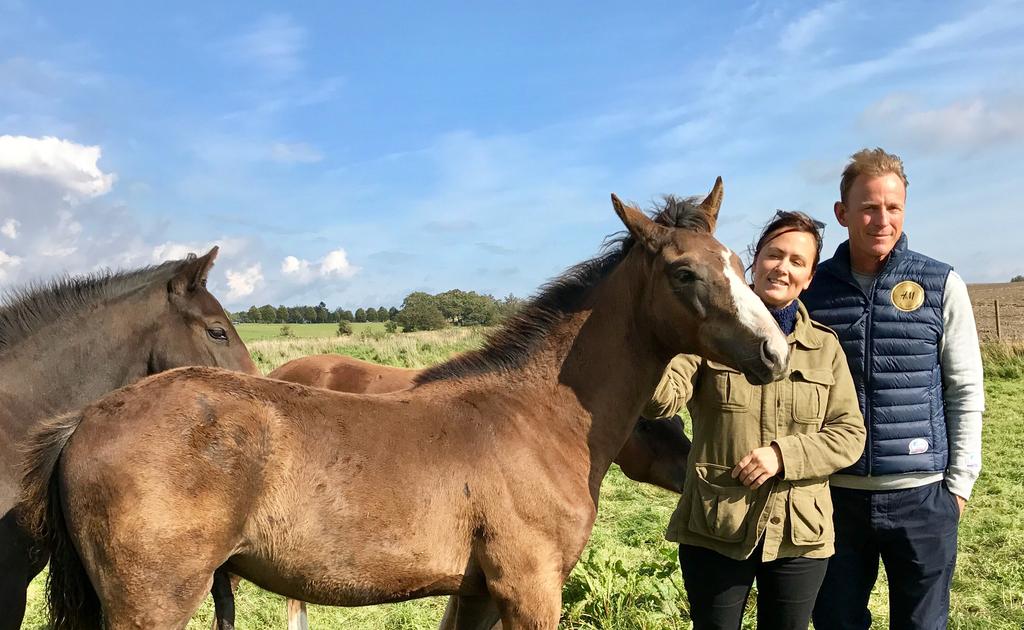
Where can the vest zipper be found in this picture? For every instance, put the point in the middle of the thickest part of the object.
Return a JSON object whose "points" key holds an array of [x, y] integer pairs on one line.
{"points": [[867, 378], [868, 355]]}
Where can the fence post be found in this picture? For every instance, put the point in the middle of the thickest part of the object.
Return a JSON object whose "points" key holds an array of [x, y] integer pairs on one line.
{"points": [[999, 330]]}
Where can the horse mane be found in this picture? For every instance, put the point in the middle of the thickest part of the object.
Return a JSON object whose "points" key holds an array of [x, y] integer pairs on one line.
{"points": [[24, 310], [511, 344]]}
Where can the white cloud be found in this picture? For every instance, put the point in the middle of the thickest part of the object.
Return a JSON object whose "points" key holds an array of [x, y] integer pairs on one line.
{"points": [[273, 45], [10, 228], [971, 124], [69, 165], [806, 29], [244, 282], [291, 264], [7, 262], [171, 250], [295, 152], [336, 264]]}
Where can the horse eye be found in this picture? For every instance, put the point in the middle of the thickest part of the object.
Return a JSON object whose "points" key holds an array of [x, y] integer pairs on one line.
{"points": [[217, 334], [685, 275]]}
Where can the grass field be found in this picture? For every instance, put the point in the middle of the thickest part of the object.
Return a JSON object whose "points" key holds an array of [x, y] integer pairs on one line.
{"points": [[261, 332], [628, 578]]}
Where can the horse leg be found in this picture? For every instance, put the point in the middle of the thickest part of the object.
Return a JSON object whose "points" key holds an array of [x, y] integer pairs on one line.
{"points": [[166, 601], [297, 616], [471, 613], [532, 602], [526, 588], [223, 591], [18, 565]]}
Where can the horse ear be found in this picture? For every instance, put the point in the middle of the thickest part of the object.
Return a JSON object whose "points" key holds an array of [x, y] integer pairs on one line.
{"points": [[713, 203], [651, 235], [193, 275]]}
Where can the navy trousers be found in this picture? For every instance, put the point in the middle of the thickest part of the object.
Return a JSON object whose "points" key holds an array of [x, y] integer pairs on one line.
{"points": [[914, 532]]}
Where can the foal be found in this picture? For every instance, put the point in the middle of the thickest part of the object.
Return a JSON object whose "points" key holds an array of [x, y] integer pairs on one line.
{"points": [[655, 452], [480, 482]]}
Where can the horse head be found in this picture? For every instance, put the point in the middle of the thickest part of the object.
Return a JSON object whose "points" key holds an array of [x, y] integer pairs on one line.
{"points": [[194, 328], [698, 302]]}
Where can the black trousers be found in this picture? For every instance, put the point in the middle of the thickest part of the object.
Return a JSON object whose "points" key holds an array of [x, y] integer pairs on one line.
{"points": [[718, 587], [914, 533]]}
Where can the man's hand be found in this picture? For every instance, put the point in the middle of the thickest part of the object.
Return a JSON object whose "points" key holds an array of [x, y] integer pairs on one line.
{"points": [[961, 503], [758, 466]]}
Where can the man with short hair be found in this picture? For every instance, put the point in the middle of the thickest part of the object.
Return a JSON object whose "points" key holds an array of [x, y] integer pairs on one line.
{"points": [[906, 325]]}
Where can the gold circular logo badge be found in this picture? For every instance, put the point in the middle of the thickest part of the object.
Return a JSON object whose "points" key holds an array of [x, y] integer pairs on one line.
{"points": [[908, 296]]}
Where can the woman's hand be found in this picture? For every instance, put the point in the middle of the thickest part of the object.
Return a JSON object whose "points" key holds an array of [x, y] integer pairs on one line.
{"points": [[758, 466]]}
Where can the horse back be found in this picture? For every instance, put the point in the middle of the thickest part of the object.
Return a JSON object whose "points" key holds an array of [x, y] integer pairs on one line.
{"points": [[341, 373]]}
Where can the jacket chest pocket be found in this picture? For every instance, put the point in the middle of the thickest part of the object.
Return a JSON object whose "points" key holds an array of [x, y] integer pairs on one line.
{"points": [[810, 394], [720, 504], [731, 389]]}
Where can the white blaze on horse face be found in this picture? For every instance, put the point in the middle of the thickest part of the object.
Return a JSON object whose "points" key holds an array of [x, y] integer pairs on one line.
{"points": [[751, 311]]}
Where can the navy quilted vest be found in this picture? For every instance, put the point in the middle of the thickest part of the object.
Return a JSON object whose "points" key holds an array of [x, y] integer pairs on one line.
{"points": [[893, 355]]}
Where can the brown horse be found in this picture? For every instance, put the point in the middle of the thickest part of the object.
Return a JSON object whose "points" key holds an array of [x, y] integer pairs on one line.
{"points": [[68, 342], [655, 452], [482, 481]]}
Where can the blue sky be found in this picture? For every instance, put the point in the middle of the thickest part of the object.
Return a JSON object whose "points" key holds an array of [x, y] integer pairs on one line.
{"points": [[355, 152]]}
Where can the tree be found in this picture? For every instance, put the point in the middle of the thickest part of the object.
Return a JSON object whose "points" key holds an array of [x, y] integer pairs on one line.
{"points": [[392, 312], [268, 314], [254, 315], [320, 311], [391, 326], [1017, 279], [344, 328], [382, 314], [282, 314], [464, 308], [509, 306], [420, 312], [360, 315], [371, 314], [347, 316]]}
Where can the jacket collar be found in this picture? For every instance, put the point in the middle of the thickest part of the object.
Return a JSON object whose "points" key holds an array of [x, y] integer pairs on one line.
{"points": [[804, 333]]}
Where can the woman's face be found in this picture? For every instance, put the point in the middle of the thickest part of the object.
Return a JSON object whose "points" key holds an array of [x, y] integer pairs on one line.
{"points": [[782, 269]]}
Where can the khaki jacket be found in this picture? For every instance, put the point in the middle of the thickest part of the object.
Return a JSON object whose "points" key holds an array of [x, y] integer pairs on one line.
{"points": [[812, 415]]}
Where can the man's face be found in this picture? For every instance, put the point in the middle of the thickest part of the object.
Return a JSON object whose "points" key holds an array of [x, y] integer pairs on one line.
{"points": [[873, 216]]}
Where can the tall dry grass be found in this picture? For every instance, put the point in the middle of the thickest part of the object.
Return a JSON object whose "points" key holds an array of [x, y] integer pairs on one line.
{"points": [[1003, 359]]}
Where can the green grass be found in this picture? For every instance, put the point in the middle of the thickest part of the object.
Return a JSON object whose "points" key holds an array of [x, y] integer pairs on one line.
{"points": [[415, 349], [628, 577], [260, 332]]}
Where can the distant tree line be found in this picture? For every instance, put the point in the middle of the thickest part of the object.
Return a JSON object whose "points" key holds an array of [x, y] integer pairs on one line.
{"points": [[420, 311], [1017, 279], [319, 314]]}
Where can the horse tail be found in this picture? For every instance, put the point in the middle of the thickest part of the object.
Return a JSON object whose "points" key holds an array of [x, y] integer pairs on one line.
{"points": [[72, 601]]}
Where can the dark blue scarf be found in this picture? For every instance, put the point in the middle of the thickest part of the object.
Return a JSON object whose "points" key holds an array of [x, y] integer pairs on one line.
{"points": [[785, 316]]}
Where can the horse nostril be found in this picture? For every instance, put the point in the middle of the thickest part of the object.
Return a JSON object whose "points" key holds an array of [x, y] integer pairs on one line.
{"points": [[770, 357]]}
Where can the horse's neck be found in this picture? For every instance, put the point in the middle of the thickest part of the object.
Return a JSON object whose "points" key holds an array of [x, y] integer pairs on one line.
{"points": [[75, 359], [611, 364]]}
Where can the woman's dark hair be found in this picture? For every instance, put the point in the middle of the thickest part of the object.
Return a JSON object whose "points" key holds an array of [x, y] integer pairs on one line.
{"points": [[786, 221]]}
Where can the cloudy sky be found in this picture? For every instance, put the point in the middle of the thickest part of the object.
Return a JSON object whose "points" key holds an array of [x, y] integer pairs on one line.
{"points": [[354, 152]]}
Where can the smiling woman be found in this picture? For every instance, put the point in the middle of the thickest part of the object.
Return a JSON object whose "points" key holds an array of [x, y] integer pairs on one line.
{"points": [[756, 500], [785, 258]]}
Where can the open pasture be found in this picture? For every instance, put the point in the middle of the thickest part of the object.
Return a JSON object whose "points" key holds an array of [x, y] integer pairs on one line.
{"points": [[1011, 309], [259, 332], [628, 577]]}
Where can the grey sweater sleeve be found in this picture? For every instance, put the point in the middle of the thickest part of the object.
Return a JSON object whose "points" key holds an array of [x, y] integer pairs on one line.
{"points": [[963, 387]]}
